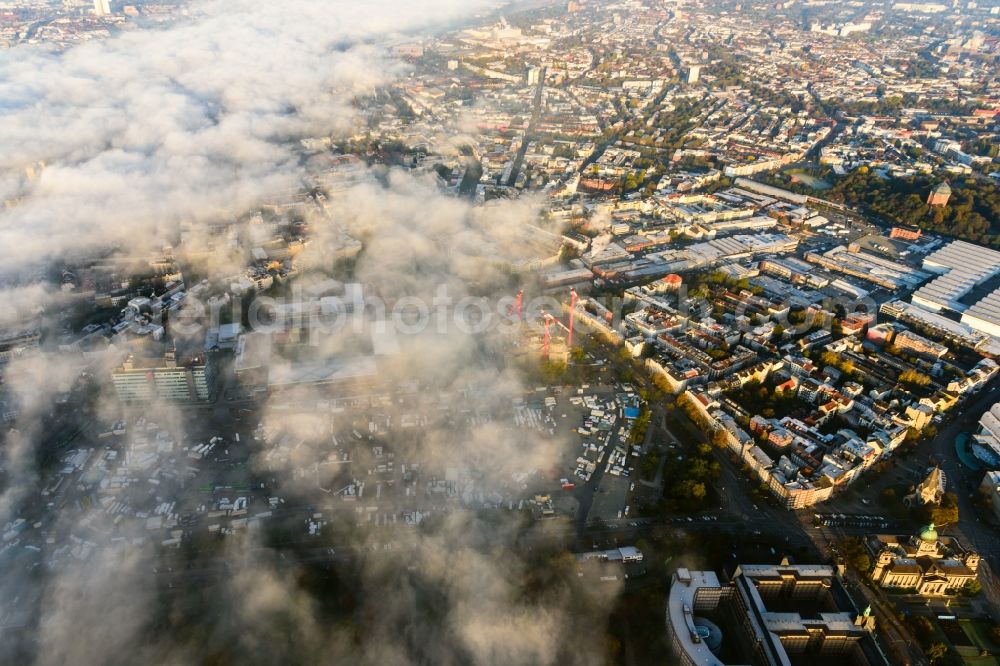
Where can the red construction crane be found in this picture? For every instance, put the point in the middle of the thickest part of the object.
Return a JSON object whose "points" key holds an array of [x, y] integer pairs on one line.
{"points": [[545, 345], [572, 316], [518, 303]]}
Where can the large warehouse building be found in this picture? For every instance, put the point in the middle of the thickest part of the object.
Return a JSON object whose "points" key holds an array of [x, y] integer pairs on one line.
{"points": [[968, 284]]}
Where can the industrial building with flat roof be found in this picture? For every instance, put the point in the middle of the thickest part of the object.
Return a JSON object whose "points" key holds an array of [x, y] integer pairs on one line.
{"points": [[951, 331], [870, 267], [962, 267], [260, 366], [985, 315]]}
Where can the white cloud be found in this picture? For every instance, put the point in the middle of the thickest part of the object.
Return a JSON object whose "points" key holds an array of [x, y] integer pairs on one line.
{"points": [[153, 127]]}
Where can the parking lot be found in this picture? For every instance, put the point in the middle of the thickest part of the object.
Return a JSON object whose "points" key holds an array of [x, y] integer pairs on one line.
{"points": [[854, 520]]}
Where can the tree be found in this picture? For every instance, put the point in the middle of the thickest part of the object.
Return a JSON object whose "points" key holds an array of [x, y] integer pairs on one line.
{"points": [[855, 555], [921, 628], [697, 468], [639, 428], [650, 463], [553, 371], [914, 379], [568, 253], [612, 648], [946, 513], [936, 652], [697, 491], [903, 200], [720, 438]]}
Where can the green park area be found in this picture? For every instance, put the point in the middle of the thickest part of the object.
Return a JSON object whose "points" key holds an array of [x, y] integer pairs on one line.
{"points": [[957, 641], [980, 645]]}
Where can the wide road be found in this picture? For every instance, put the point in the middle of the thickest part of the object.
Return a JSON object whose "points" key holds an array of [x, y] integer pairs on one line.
{"points": [[971, 531], [961, 480], [529, 135]]}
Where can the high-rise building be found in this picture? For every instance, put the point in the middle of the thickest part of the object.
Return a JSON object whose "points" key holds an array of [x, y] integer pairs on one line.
{"points": [[102, 7], [694, 73], [140, 379]]}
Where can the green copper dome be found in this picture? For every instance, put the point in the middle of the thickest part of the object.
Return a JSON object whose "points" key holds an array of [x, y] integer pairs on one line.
{"points": [[929, 534]]}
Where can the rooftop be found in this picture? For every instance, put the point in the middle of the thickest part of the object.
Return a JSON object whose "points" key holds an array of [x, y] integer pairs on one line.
{"points": [[680, 613]]}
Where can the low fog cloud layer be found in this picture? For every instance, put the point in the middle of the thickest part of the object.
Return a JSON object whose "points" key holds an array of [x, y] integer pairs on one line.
{"points": [[192, 124], [153, 128]]}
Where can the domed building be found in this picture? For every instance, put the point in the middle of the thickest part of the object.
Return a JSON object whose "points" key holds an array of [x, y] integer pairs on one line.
{"points": [[926, 562]]}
